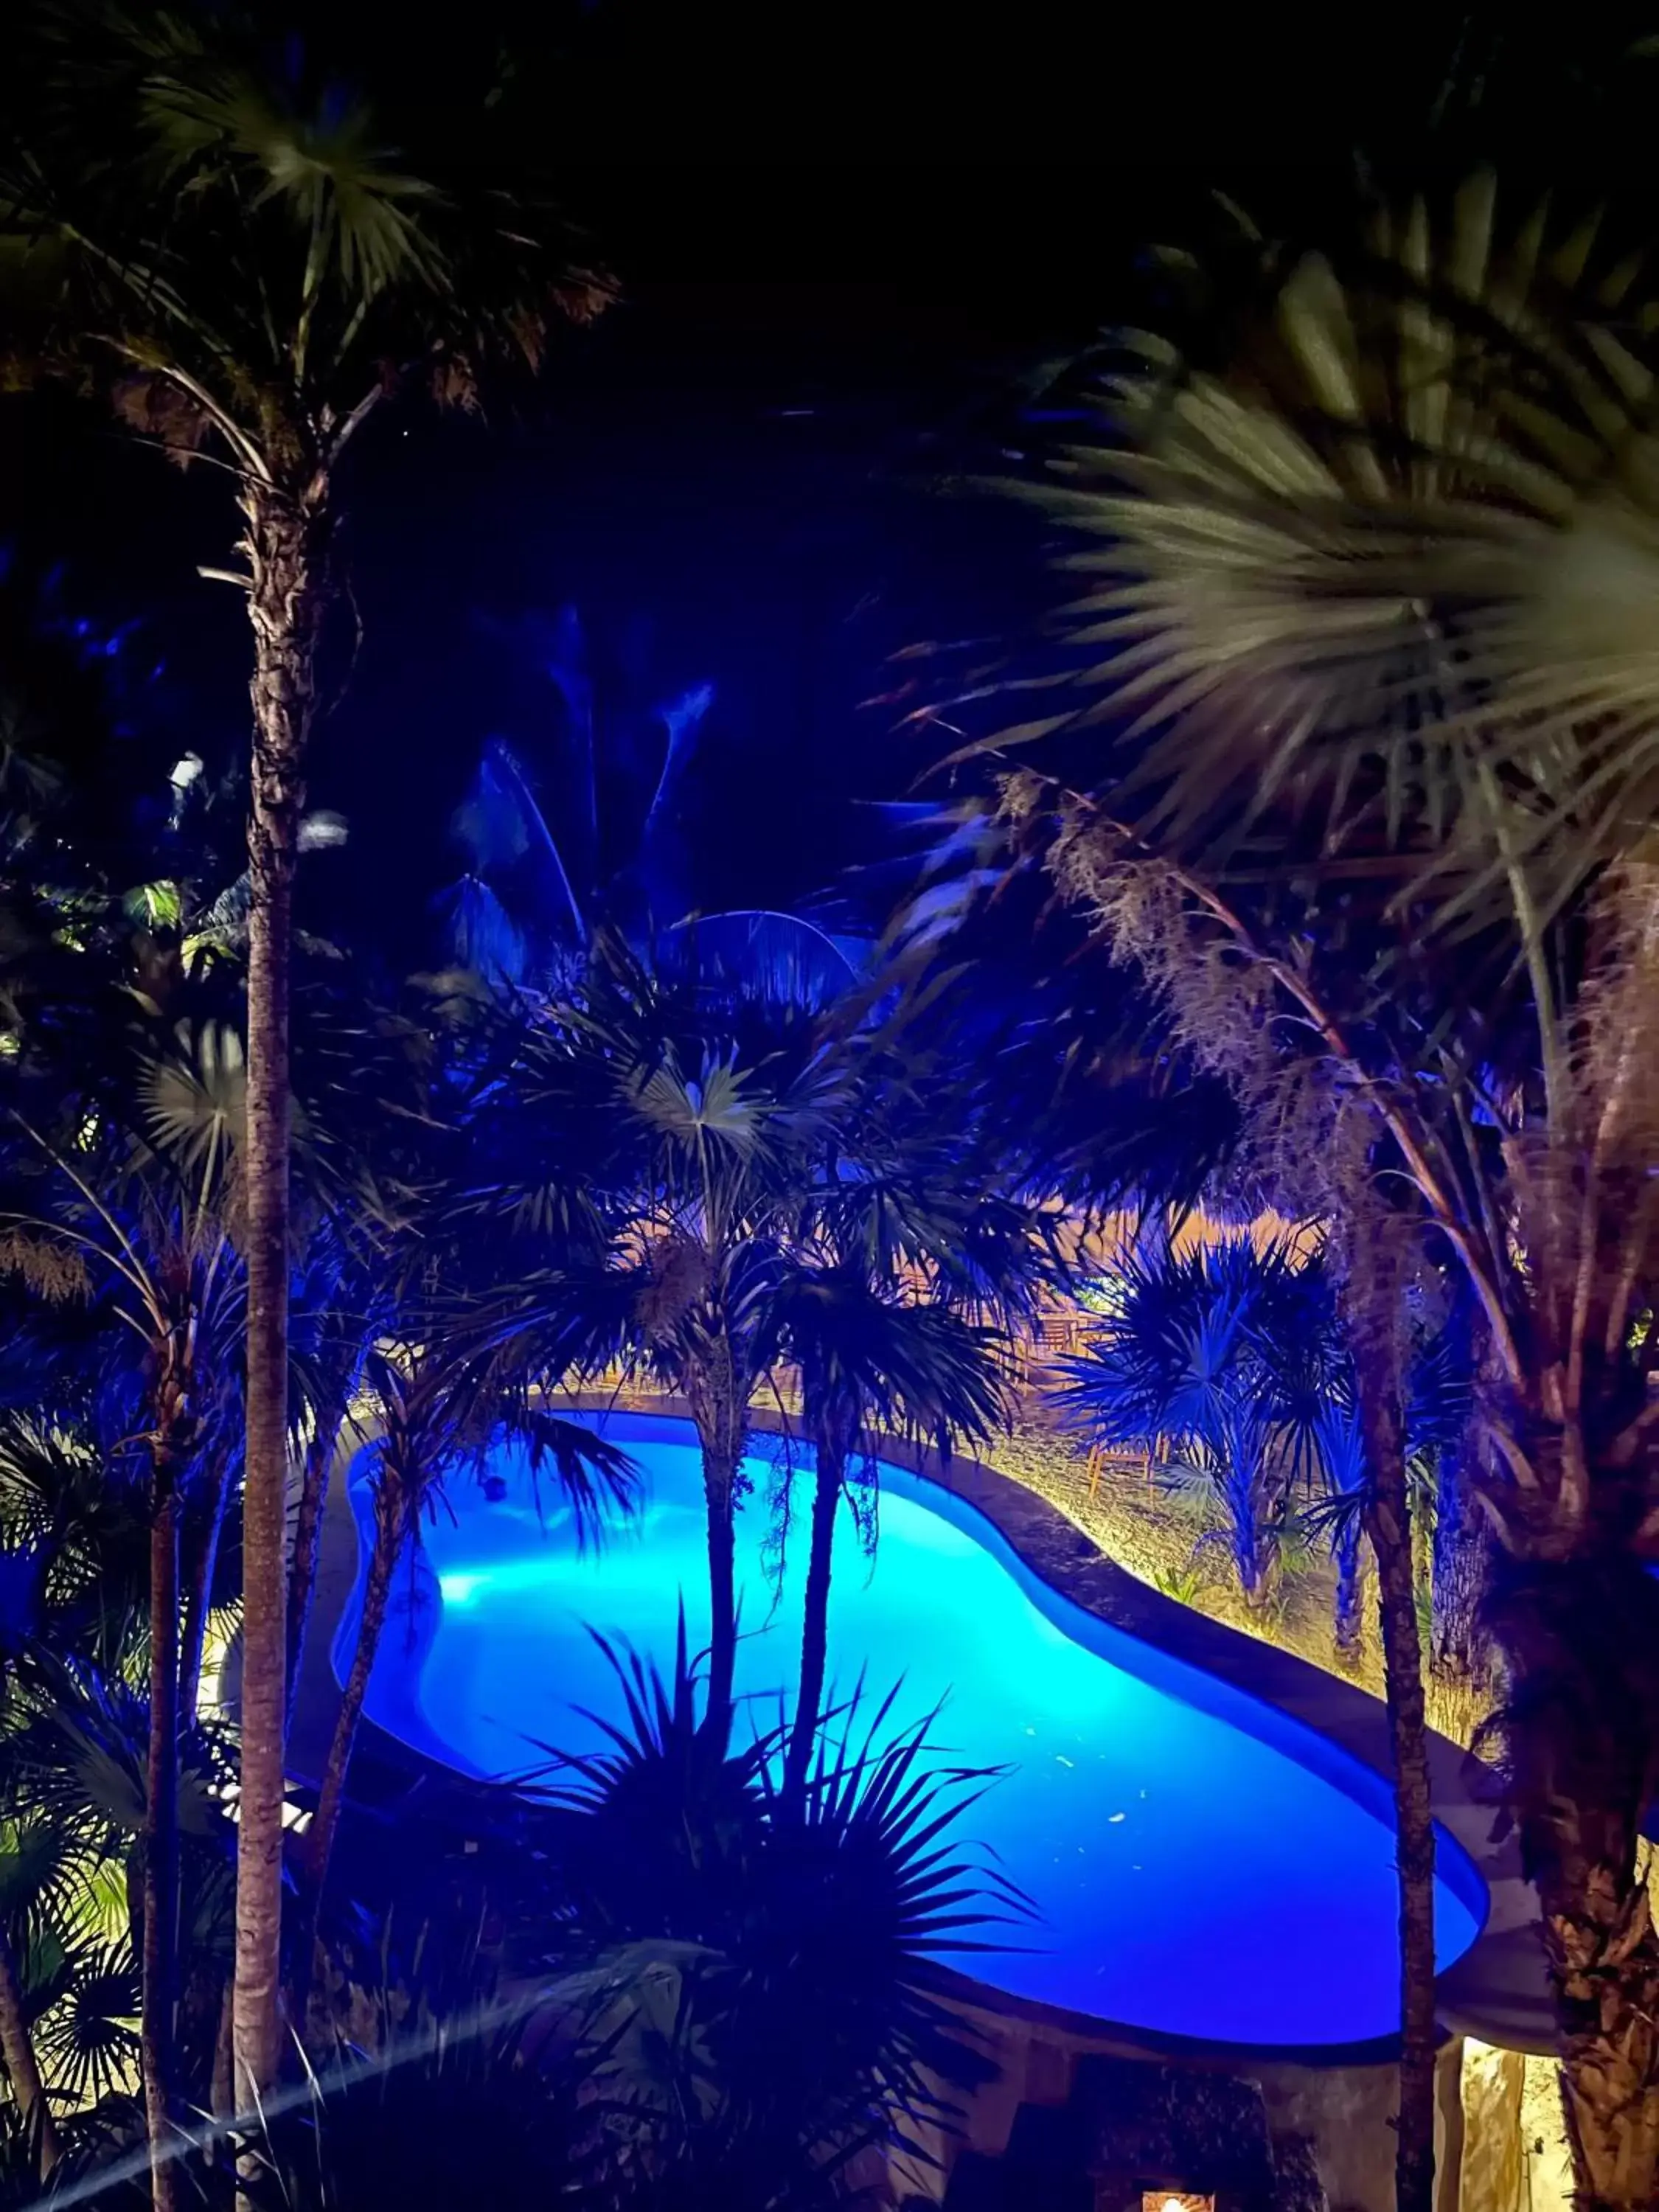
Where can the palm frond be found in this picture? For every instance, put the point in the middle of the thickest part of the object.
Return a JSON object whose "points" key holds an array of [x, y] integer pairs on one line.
{"points": [[307, 267], [87, 2038], [1400, 541], [48, 1265], [596, 1478]]}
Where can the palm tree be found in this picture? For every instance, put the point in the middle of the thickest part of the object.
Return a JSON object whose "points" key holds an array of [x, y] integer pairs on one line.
{"points": [[687, 1124], [566, 840], [1364, 782], [432, 1418], [1446, 1396], [907, 1263], [1179, 1362], [1303, 1342], [147, 1230], [1236, 1356], [1464, 1566], [304, 273], [869, 1361]]}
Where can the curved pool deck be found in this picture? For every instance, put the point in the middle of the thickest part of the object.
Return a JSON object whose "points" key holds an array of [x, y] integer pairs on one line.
{"points": [[1253, 1777]]}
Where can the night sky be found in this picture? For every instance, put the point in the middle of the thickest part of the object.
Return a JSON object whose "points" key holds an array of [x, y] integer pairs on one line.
{"points": [[843, 237]]}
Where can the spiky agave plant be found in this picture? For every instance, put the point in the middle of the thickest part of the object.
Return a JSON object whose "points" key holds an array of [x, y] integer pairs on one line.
{"points": [[1355, 748], [767, 1984]]}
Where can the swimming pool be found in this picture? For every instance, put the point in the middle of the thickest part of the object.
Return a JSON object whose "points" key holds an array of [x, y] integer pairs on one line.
{"points": [[1202, 1865]]}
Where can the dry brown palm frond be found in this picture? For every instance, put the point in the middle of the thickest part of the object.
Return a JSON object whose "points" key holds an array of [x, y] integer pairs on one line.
{"points": [[1585, 1194], [1305, 1137], [47, 1266], [674, 1280]]}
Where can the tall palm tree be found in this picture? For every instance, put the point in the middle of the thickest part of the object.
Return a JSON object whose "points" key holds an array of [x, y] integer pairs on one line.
{"points": [[1356, 756], [907, 1264], [241, 250]]}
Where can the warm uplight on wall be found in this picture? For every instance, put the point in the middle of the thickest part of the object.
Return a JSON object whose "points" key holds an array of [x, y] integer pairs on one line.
{"points": [[1165, 2199]]}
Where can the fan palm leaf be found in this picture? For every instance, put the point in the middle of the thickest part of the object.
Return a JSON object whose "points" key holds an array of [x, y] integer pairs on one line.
{"points": [[1407, 543], [87, 2032]]}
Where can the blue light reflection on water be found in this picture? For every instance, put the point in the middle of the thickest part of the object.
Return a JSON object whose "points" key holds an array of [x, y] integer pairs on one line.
{"points": [[1202, 1865]]}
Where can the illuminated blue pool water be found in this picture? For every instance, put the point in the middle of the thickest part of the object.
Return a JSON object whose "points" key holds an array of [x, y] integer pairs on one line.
{"points": [[1202, 1865]]}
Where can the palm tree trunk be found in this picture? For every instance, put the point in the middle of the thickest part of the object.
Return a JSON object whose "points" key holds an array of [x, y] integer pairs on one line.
{"points": [[199, 1595], [1256, 1582], [1577, 1637], [815, 1633], [22, 2068], [1375, 1319], [721, 1413], [161, 1885], [284, 544], [1461, 1569], [307, 1540], [1244, 1493], [391, 1526], [720, 1496], [1350, 1612], [222, 2093], [1604, 1963], [1256, 1557]]}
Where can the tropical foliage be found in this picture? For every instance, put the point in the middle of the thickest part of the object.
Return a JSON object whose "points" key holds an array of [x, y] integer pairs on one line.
{"points": [[849, 1245], [303, 277], [1227, 1363], [726, 1893], [593, 832], [1344, 761], [1350, 751], [1186, 1358]]}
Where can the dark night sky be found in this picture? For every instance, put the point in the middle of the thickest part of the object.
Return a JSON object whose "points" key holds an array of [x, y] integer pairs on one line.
{"points": [[840, 232]]}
